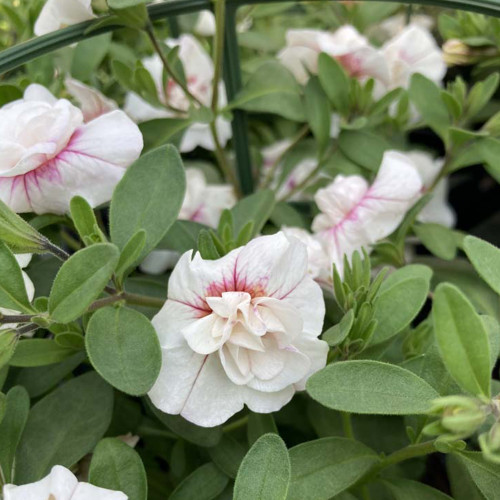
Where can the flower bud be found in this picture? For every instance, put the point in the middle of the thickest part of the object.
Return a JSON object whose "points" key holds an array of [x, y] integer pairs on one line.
{"points": [[457, 53], [490, 443]]}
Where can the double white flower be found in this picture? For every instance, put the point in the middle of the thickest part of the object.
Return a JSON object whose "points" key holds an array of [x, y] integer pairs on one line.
{"points": [[48, 154], [60, 484], [239, 330]]}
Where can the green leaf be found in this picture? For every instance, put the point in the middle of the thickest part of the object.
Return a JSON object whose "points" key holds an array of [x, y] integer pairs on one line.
{"points": [[88, 55], [325, 467], [260, 424], [286, 215], [39, 352], [481, 94], [206, 246], [8, 343], [80, 281], [363, 148], [486, 475], [123, 347], [182, 236], [3, 406], [271, 89], [227, 454], [404, 489], [201, 436], [38, 381], [486, 260], [11, 429], [462, 339], [148, 197], [84, 219], [438, 239], [205, 483], [371, 387], [461, 483], [265, 471], [9, 93], [493, 330], [318, 113], [64, 426], [13, 293], [257, 207], [116, 466], [339, 332], [334, 82], [124, 4], [131, 254], [399, 300], [426, 96], [163, 131]]}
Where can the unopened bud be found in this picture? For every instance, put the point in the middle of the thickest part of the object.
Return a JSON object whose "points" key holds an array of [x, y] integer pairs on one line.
{"points": [[457, 53]]}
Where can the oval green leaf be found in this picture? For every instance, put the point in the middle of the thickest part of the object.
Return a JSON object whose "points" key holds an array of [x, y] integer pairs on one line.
{"points": [[123, 347], [486, 260], [205, 483], [371, 387]]}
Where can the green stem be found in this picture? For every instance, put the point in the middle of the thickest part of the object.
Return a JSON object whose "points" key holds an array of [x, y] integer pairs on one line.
{"points": [[347, 425], [272, 170], [218, 51], [143, 300], [56, 251]]}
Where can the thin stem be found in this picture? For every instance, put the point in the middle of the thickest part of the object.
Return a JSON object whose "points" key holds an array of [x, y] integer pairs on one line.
{"points": [[98, 304], [16, 318], [347, 425], [143, 300], [156, 45], [272, 170], [55, 250], [222, 161], [31, 327], [218, 51]]}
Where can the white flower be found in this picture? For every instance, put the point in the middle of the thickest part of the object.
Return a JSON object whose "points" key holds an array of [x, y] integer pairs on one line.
{"points": [[57, 14], [413, 50], [356, 215], [48, 155], [437, 210], [92, 103], [319, 265], [60, 484], [239, 330], [346, 45], [199, 73], [203, 203], [393, 25], [205, 24]]}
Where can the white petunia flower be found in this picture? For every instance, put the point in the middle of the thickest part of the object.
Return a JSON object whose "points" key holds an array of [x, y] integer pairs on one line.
{"points": [[60, 484], [199, 73], [48, 155], [413, 50], [239, 330], [437, 210], [57, 14], [394, 25], [351, 49], [356, 215]]}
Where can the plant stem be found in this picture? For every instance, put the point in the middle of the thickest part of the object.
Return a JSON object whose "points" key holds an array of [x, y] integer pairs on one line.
{"points": [[218, 51], [15, 318], [156, 45], [143, 300], [272, 170], [98, 304], [56, 251], [347, 425]]}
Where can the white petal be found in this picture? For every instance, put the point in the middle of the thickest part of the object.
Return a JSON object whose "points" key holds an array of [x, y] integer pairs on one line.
{"points": [[300, 61], [438, 210], [57, 14], [199, 335], [159, 261], [268, 402], [199, 135], [205, 25], [36, 92], [60, 483], [316, 351], [85, 491], [141, 111]]}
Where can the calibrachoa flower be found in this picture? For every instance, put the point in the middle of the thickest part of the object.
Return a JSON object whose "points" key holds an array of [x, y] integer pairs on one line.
{"points": [[92, 103], [351, 49], [48, 155], [203, 203], [239, 330], [60, 484], [199, 73], [414, 50], [57, 14], [437, 210], [356, 215]]}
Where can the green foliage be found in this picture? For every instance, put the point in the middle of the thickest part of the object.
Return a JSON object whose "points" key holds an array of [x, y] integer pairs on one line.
{"points": [[370, 387], [148, 198], [462, 339], [205, 483], [265, 471], [116, 466], [124, 348], [80, 281]]}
